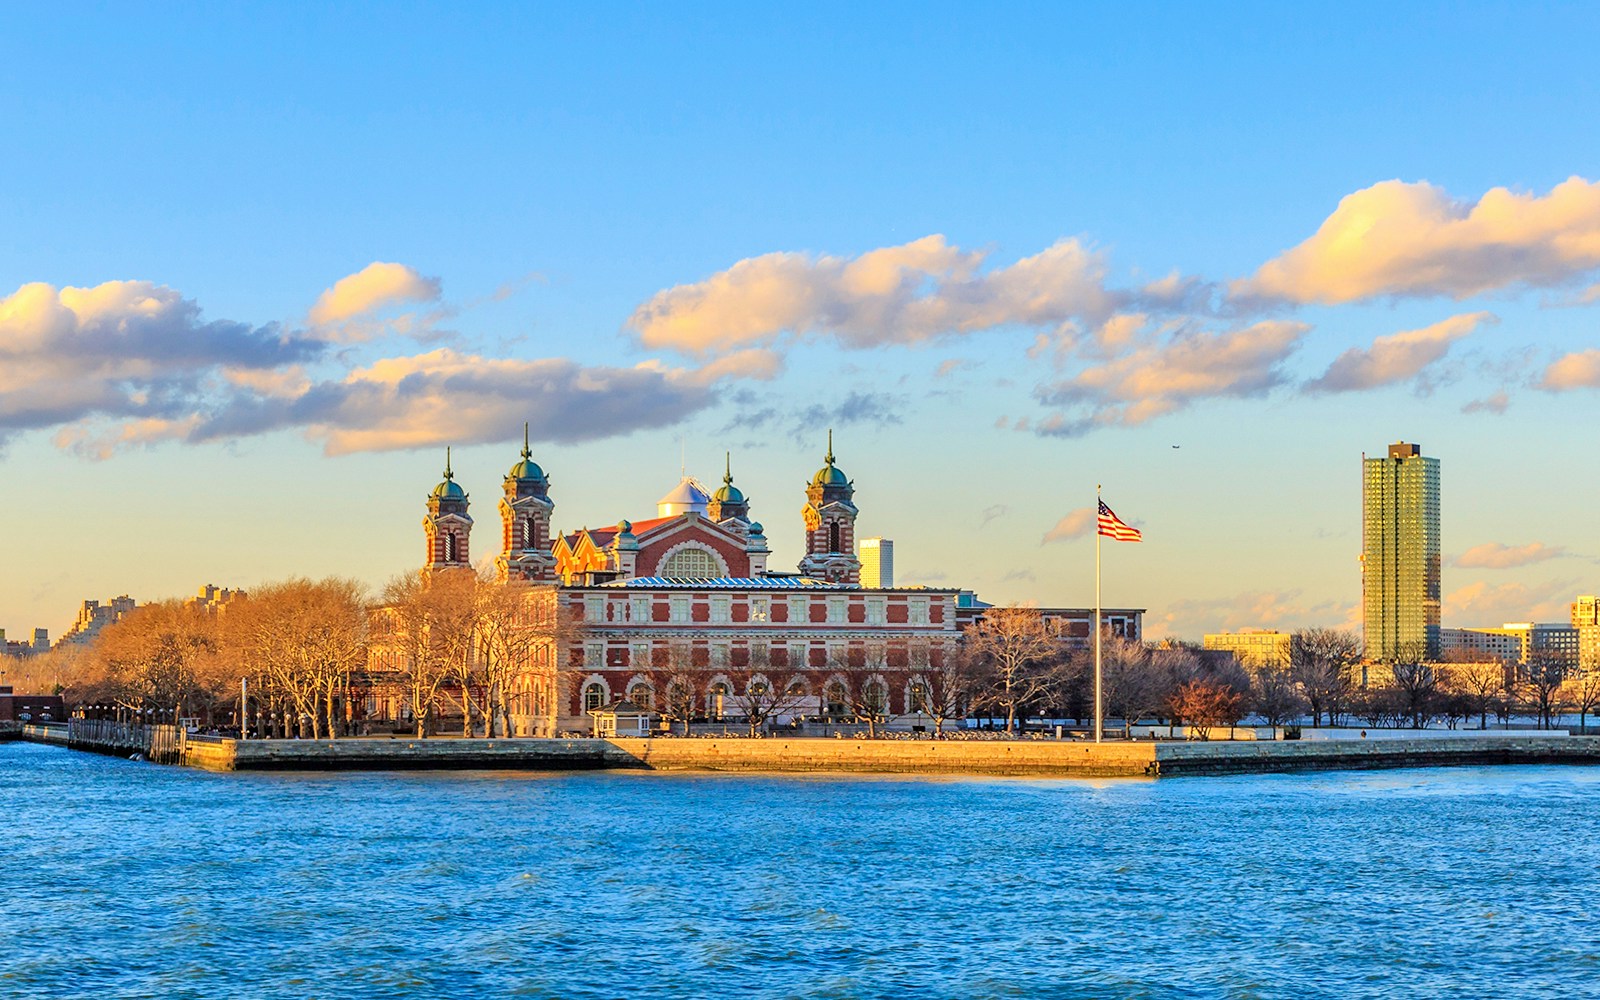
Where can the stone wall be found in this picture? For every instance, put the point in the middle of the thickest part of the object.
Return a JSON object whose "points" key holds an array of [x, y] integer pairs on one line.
{"points": [[783, 755], [1177, 759]]}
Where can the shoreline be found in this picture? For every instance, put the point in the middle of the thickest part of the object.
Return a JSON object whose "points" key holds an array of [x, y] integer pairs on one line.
{"points": [[810, 755]]}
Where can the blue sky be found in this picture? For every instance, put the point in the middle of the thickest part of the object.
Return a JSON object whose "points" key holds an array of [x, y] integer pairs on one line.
{"points": [[542, 180]]}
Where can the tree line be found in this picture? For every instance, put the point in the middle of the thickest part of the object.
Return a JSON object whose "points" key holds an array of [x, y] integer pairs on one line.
{"points": [[295, 655]]}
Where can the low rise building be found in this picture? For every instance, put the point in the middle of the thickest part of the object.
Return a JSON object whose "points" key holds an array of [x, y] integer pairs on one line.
{"points": [[1253, 647]]}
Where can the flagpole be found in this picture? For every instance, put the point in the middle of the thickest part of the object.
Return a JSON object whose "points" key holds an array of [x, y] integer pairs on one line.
{"points": [[1099, 710]]}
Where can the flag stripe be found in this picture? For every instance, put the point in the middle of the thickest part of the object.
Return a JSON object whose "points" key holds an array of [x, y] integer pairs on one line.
{"points": [[1113, 527]]}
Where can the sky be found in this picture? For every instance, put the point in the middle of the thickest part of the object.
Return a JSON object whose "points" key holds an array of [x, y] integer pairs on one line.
{"points": [[260, 264]]}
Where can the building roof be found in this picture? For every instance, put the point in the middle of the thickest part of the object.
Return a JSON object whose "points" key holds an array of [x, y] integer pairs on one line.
{"points": [[602, 536], [686, 492]]}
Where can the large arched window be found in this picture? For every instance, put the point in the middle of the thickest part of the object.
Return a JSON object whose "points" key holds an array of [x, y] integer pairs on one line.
{"points": [[875, 697], [594, 695], [449, 547], [643, 695], [837, 699], [691, 564], [716, 698], [833, 537]]}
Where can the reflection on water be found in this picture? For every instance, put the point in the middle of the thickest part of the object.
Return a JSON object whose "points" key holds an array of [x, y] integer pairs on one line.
{"points": [[125, 879]]}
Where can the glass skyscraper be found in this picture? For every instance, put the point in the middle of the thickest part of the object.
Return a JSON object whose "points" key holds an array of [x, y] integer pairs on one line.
{"points": [[1400, 554]]}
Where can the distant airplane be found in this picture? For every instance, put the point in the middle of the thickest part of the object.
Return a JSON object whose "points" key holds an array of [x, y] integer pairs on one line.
{"points": [[1177, 446]]}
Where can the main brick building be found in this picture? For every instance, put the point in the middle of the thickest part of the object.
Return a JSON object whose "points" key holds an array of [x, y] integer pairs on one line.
{"points": [[687, 596]]}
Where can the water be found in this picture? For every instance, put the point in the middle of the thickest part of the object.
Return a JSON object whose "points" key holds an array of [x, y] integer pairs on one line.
{"points": [[133, 880]]}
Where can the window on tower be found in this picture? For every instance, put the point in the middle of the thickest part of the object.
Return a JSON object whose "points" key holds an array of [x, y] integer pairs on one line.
{"points": [[833, 537], [449, 548]]}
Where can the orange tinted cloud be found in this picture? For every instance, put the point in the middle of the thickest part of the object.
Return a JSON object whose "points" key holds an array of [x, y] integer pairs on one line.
{"points": [[1397, 238], [1397, 357], [1075, 525], [1493, 555], [374, 287], [902, 294], [1157, 379], [1578, 370]]}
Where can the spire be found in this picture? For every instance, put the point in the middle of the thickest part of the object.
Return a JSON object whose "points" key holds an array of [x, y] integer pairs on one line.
{"points": [[526, 451], [447, 473], [727, 468], [829, 458]]}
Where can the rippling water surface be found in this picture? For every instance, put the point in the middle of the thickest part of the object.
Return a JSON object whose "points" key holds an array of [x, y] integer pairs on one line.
{"points": [[125, 879]]}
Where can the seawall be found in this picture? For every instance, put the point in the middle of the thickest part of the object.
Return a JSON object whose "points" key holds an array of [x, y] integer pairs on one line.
{"points": [[1042, 758], [1020, 758]]}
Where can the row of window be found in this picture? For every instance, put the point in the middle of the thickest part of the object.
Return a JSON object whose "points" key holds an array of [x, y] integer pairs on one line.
{"points": [[720, 655], [640, 608]]}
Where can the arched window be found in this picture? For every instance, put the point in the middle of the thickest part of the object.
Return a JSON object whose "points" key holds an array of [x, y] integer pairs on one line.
{"points": [[529, 538], [449, 547], [833, 537], [643, 695], [918, 697], [837, 698], [716, 697], [594, 695], [690, 564], [875, 697]]}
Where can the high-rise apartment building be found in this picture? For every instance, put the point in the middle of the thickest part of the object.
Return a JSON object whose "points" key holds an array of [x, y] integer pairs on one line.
{"points": [[1400, 559], [1586, 619], [877, 562]]}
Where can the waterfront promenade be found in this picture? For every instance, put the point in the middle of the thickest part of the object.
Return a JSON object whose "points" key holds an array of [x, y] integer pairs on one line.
{"points": [[1043, 758]]}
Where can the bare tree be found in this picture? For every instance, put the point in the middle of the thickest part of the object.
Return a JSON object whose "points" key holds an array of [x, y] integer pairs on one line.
{"points": [[155, 658], [1582, 693], [426, 630], [1015, 646], [1321, 660], [1417, 681], [307, 638], [1205, 705], [521, 632], [1541, 685], [1482, 678], [1275, 697], [1130, 687], [945, 692], [761, 699], [677, 687]]}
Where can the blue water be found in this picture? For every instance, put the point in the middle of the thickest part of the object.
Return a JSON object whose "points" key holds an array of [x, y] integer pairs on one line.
{"points": [[133, 880]]}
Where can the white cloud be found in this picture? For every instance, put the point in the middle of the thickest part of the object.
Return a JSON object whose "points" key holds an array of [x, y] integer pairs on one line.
{"points": [[1397, 357], [1413, 239]]}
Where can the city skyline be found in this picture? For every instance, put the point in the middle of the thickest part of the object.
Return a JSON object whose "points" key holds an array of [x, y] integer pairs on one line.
{"points": [[227, 366]]}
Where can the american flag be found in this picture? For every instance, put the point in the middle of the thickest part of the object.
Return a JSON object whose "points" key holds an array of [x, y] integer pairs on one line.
{"points": [[1111, 526]]}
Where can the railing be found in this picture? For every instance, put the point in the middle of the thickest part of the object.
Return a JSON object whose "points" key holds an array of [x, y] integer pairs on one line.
{"points": [[162, 744]]}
